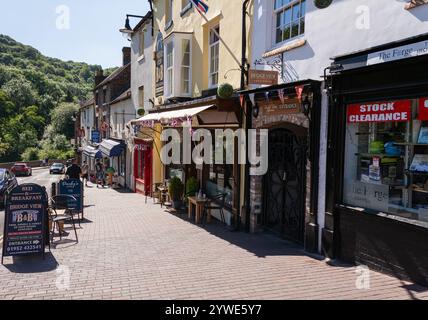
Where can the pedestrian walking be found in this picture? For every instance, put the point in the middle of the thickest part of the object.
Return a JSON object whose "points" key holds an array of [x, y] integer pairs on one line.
{"points": [[74, 171], [85, 173], [100, 173]]}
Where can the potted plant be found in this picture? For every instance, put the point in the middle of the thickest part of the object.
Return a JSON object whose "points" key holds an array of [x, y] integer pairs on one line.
{"points": [[176, 190], [192, 186]]}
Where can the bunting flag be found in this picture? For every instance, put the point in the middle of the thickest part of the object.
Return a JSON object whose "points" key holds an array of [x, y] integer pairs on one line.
{"points": [[267, 96], [281, 95], [200, 6], [252, 97], [242, 99], [299, 91]]}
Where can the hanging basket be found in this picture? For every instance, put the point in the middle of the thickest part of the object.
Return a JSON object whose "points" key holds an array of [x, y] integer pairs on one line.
{"points": [[225, 91], [322, 4]]}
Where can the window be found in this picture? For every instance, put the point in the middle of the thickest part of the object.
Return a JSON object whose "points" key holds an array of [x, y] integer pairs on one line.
{"points": [[142, 34], [387, 158], [168, 13], [289, 19], [169, 68], [141, 97], [214, 50], [185, 67]]}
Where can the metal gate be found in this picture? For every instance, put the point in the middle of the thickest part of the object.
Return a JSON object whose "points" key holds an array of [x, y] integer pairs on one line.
{"points": [[285, 184]]}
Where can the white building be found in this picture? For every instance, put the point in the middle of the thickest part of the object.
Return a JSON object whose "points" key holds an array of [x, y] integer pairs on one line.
{"points": [[299, 40]]}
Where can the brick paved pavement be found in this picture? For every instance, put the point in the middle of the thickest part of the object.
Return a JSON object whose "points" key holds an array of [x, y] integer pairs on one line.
{"points": [[132, 250]]}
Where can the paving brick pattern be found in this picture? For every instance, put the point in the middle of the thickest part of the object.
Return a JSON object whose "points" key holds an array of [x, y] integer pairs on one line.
{"points": [[131, 250]]}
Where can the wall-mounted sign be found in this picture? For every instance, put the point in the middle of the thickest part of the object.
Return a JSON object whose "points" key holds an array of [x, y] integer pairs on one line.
{"points": [[423, 109], [387, 111], [262, 77], [26, 218], [95, 136], [399, 53], [276, 107]]}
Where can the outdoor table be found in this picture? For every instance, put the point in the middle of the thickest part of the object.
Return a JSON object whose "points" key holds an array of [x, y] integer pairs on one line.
{"points": [[199, 204]]}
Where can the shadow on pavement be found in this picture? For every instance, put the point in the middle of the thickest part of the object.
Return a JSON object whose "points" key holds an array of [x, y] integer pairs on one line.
{"points": [[261, 244], [32, 264]]}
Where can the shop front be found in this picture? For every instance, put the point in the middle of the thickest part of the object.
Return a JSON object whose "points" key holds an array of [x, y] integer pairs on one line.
{"points": [[187, 118], [284, 200], [377, 210], [143, 165], [115, 152], [91, 154]]}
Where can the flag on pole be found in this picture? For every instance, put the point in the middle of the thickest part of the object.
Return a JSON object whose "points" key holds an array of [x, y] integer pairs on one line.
{"points": [[201, 6], [242, 99]]}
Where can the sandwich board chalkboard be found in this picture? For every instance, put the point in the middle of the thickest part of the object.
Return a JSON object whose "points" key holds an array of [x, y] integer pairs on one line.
{"points": [[26, 230], [72, 187]]}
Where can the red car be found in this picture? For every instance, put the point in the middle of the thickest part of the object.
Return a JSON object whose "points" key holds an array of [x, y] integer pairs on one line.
{"points": [[21, 169]]}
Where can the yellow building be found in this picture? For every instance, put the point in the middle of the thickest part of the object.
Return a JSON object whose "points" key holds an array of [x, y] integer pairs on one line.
{"points": [[194, 54]]}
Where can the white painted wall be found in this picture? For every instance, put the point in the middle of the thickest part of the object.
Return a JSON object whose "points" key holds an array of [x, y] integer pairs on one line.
{"points": [[142, 74], [345, 26], [87, 123]]}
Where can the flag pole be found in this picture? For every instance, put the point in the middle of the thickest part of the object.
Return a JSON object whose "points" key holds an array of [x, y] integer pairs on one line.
{"points": [[220, 38]]}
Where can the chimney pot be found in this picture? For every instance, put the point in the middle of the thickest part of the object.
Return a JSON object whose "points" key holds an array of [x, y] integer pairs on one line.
{"points": [[126, 55]]}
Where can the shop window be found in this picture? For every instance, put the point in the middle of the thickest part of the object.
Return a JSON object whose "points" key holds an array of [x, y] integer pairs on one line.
{"points": [[174, 171], [386, 158], [289, 19], [214, 56]]}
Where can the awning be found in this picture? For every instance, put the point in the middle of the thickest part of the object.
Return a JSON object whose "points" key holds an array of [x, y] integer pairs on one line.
{"points": [[92, 152], [175, 114], [112, 148]]}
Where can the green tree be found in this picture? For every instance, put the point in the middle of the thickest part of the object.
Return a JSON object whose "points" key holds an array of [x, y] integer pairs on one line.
{"points": [[20, 92], [62, 119]]}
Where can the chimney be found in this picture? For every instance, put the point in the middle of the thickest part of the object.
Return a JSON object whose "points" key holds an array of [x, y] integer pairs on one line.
{"points": [[99, 76], [126, 55]]}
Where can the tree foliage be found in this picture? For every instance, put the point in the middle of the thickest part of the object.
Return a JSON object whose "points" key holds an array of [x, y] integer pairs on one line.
{"points": [[38, 97]]}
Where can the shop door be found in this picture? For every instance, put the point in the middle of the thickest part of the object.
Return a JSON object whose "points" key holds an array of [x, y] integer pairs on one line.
{"points": [[284, 201]]}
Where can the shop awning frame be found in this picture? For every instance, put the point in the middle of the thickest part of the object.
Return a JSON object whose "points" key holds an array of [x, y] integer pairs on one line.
{"points": [[112, 148], [174, 114], [92, 152]]}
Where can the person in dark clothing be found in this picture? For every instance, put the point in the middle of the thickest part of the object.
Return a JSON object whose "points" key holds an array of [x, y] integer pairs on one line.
{"points": [[73, 171]]}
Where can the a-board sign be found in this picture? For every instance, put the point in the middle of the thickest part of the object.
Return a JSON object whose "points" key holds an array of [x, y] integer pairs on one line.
{"points": [[72, 187], [26, 221]]}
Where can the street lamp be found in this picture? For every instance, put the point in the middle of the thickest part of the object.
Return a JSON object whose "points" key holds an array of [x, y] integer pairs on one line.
{"points": [[127, 30]]}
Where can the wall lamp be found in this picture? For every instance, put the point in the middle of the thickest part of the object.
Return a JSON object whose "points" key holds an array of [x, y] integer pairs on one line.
{"points": [[127, 30]]}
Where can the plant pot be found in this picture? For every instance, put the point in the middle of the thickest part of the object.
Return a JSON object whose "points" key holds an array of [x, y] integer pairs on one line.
{"points": [[177, 204]]}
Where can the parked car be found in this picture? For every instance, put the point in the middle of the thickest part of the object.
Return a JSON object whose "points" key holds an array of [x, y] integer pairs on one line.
{"points": [[57, 168], [21, 169], [7, 182]]}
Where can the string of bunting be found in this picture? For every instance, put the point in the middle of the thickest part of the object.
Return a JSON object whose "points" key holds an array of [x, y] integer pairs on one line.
{"points": [[281, 94]]}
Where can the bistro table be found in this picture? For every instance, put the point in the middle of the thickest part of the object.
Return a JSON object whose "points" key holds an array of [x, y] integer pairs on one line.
{"points": [[199, 204]]}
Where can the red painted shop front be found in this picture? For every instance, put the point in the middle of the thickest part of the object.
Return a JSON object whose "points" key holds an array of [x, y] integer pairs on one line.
{"points": [[143, 166]]}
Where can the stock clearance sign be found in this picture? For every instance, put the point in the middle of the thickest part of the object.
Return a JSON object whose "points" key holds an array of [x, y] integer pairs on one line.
{"points": [[386, 111]]}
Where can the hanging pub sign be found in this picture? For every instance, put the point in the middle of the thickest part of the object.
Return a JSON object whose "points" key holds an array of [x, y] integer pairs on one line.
{"points": [[386, 111], [277, 107], [26, 221], [262, 77], [423, 109], [72, 187]]}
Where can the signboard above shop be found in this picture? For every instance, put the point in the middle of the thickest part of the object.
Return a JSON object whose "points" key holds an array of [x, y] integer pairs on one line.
{"points": [[262, 77], [385, 111], [399, 53]]}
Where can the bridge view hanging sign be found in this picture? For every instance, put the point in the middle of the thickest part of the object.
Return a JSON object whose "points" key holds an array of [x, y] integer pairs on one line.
{"points": [[386, 111]]}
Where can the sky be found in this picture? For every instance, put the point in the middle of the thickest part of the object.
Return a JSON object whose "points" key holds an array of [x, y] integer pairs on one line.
{"points": [[77, 30]]}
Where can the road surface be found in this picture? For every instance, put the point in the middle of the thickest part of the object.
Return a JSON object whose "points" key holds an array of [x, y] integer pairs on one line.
{"points": [[40, 177]]}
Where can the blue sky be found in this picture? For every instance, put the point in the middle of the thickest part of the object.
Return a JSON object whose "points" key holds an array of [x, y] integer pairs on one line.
{"points": [[93, 36]]}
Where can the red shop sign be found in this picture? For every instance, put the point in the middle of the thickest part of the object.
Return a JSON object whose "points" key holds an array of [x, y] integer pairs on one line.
{"points": [[423, 109], [385, 111]]}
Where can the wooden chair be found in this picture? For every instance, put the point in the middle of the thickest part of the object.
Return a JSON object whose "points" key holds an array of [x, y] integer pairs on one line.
{"points": [[61, 212], [155, 193]]}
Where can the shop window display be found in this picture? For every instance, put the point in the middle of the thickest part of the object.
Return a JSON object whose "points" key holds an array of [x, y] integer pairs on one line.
{"points": [[386, 159]]}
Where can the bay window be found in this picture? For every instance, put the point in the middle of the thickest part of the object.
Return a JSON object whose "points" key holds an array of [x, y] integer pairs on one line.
{"points": [[214, 57], [289, 19], [178, 62]]}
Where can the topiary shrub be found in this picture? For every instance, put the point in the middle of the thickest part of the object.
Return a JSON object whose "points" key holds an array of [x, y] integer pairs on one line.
{"points": [[141, 112], [176, 189], [225, 91], [192, 186]]}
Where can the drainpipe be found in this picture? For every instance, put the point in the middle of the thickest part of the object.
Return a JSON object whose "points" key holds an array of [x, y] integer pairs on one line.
{"points": [[248, 116], [153, 17]]}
